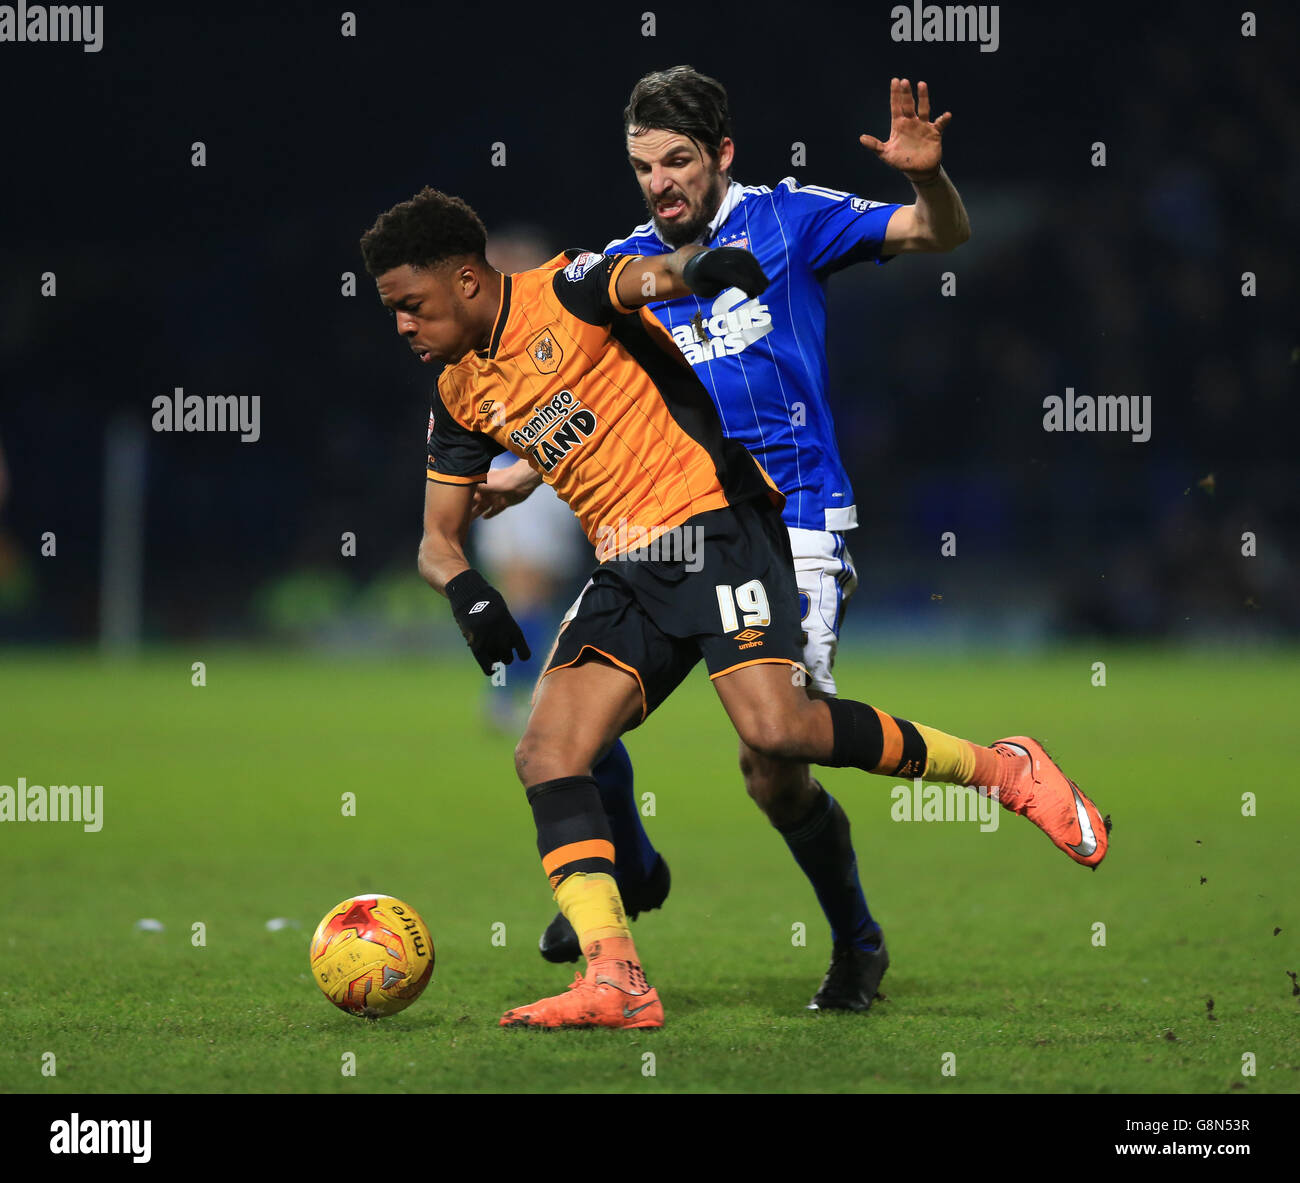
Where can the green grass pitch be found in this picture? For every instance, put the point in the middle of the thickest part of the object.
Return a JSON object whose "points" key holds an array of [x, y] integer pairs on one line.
{"points": [[222, 805]]}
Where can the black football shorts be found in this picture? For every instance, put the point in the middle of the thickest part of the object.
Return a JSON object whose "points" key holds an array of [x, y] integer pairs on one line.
{"points": [[721, 586]]}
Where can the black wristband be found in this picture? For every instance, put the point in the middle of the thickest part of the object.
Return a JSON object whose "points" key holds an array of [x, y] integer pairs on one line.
{"points": [[465, 589]]}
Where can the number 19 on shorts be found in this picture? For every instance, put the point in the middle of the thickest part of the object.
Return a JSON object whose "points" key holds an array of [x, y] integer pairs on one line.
{"points": [[749, 598]]}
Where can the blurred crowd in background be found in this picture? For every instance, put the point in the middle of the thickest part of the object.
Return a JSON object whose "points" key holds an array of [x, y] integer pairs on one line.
{"points": [[1117, 280]]}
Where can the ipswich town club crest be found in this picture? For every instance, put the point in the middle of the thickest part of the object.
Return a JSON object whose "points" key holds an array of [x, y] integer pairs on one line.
{"points": [[546, 354]]}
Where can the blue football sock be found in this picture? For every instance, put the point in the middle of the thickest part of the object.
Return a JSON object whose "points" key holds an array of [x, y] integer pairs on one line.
{"points": [[823, 849], [634, 854]]}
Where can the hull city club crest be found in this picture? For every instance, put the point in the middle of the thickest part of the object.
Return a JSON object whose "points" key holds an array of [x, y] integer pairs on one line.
{"points": [[546, 354]]}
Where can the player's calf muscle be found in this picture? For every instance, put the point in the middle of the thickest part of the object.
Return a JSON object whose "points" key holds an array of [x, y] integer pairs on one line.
{"points": [[782, 789]]}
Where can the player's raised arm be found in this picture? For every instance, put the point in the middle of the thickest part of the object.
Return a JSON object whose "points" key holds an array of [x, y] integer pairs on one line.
{"points": [[689, 270], [598, 288], [937, 221]]}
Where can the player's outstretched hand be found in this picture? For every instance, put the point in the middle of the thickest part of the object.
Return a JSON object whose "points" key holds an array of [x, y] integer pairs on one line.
{"points": [[485, 621], [503, 488], [711, 272], [915, 145]]}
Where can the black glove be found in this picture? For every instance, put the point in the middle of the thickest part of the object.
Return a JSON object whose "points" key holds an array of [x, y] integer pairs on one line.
{"points": [[485, 621], [709, 272]]}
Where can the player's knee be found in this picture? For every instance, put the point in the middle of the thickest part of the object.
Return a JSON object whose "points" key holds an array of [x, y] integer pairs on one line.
{"points": [[522, 753], [548, 753], [770, 733], [533, 758]]}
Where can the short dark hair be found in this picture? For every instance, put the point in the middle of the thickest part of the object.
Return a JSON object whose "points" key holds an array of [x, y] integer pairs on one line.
{"points": [[680, 100], [430, 229]]}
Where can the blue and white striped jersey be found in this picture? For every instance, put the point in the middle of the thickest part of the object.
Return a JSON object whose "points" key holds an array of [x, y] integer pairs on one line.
{"points": [[764, 359]]}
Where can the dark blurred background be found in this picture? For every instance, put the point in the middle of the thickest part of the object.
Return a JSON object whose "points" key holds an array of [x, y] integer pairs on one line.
{"points": [[226, 279]]}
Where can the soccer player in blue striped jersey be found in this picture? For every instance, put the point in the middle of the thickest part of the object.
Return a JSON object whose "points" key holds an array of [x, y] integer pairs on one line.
{"points": [[763, 360]]}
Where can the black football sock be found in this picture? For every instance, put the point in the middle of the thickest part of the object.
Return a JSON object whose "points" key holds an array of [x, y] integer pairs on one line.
{"points": [[864, 737], [822, 847], [572, 833], [578, 857]]}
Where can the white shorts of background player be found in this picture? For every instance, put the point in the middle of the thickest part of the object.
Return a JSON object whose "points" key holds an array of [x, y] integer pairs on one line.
{"points": [[827, 578]]}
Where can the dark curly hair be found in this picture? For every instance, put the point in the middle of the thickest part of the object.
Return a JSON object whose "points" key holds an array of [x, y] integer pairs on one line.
{"points": [[680, 100], [430, 229]]}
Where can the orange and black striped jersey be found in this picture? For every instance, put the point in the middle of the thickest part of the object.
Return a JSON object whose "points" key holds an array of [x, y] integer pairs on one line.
{"points": [[599, 400]]}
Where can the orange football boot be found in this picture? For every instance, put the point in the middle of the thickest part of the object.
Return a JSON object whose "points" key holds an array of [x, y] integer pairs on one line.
{"points": [[1038, 789], [613, 994]]}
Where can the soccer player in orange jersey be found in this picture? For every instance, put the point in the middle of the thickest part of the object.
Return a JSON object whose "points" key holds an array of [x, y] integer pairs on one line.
{"points": [[565, 367]]}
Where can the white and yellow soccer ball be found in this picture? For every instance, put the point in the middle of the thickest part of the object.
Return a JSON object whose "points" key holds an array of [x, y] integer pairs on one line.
{"points": [[372, 956]]}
